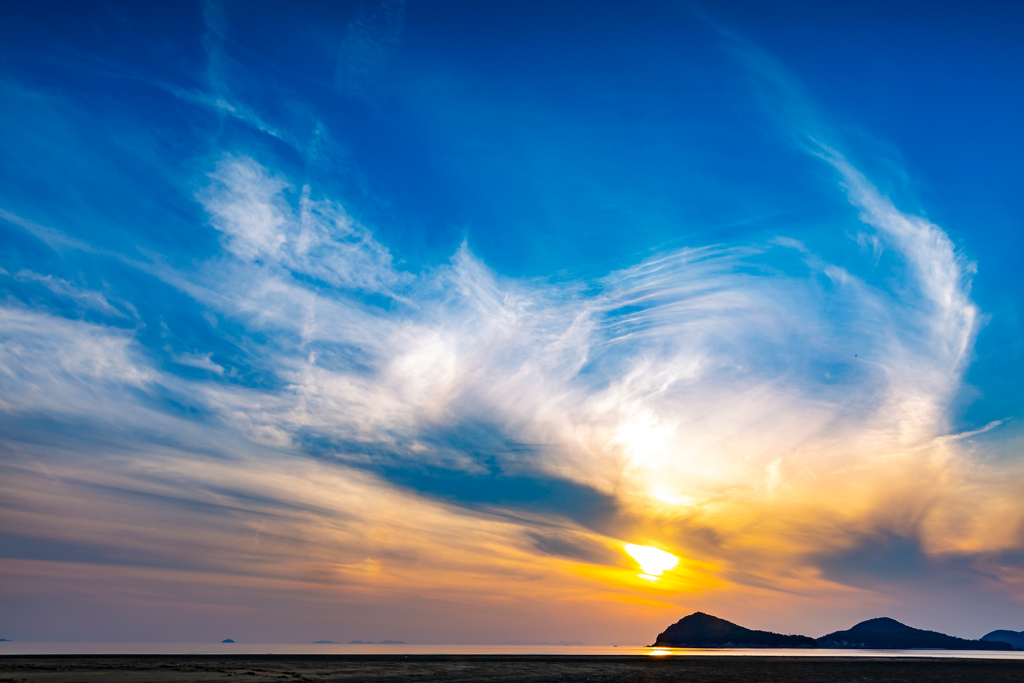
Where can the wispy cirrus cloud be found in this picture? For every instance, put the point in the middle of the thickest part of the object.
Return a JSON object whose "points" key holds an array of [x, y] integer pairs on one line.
{"points": [[663, 384], [700, 400]]}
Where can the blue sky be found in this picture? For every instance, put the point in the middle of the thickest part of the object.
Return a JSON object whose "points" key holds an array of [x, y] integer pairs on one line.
{"points": [[384, 308]]}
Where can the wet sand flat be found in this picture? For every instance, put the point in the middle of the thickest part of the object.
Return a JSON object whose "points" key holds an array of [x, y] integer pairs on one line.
{"points": [[367, 668]]}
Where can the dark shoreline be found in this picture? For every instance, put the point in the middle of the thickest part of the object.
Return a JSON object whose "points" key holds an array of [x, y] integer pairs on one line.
{"points": [[553, 668]]}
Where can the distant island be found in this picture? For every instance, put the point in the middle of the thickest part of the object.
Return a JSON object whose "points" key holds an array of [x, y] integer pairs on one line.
{"points": [[704, 630], [883, 633], [1015, 638], [227, 640], [888, 634], [383, 642], [325, 642]]}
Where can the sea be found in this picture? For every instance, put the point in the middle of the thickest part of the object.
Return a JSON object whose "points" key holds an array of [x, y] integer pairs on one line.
{"points": [[56, 648]]}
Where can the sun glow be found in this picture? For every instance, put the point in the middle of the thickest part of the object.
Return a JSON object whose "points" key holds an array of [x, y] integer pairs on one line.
{"points": [[653, 562]]}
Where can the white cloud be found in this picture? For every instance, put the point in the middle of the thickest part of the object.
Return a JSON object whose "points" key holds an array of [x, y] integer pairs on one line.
{"points": [[52, 364], [201, 361], [55, 239], [942, 275], [725, 366], [86, 298], [247, 204]]}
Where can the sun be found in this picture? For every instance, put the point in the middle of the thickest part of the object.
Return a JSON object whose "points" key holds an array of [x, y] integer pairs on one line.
{"points": [[653, 562]]}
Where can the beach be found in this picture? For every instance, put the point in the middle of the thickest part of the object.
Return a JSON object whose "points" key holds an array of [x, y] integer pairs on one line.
{"points": [[371, 668]]}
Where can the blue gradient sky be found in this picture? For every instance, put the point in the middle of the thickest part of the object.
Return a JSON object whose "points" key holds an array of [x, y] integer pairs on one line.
{"points": [[322, 320]]}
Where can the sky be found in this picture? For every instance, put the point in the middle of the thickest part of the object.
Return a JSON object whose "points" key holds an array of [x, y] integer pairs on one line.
{"points": [[427, 321]]}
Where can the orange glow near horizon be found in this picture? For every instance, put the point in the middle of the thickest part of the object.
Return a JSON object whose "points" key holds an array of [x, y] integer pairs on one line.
{"points": [[653, 562]]}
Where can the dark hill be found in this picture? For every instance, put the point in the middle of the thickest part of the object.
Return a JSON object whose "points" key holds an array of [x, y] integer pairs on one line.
{"points": [[704, 630], [1015, 638], [888, 634]]}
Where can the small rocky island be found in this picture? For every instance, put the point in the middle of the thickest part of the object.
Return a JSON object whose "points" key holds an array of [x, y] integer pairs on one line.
{"points": [[888, 634], [704, 630], [1015, 638]]}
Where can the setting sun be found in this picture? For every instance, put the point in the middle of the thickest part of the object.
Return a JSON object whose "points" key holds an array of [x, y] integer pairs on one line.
{"points": [[652, 561]]}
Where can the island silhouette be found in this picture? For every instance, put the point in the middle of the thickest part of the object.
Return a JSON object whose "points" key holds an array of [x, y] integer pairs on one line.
{"points": [[703, 630], [883, 633], [1015, 638]]}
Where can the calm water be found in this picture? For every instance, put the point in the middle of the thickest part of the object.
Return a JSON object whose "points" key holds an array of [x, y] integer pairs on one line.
{"points": [[29, 648]]}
